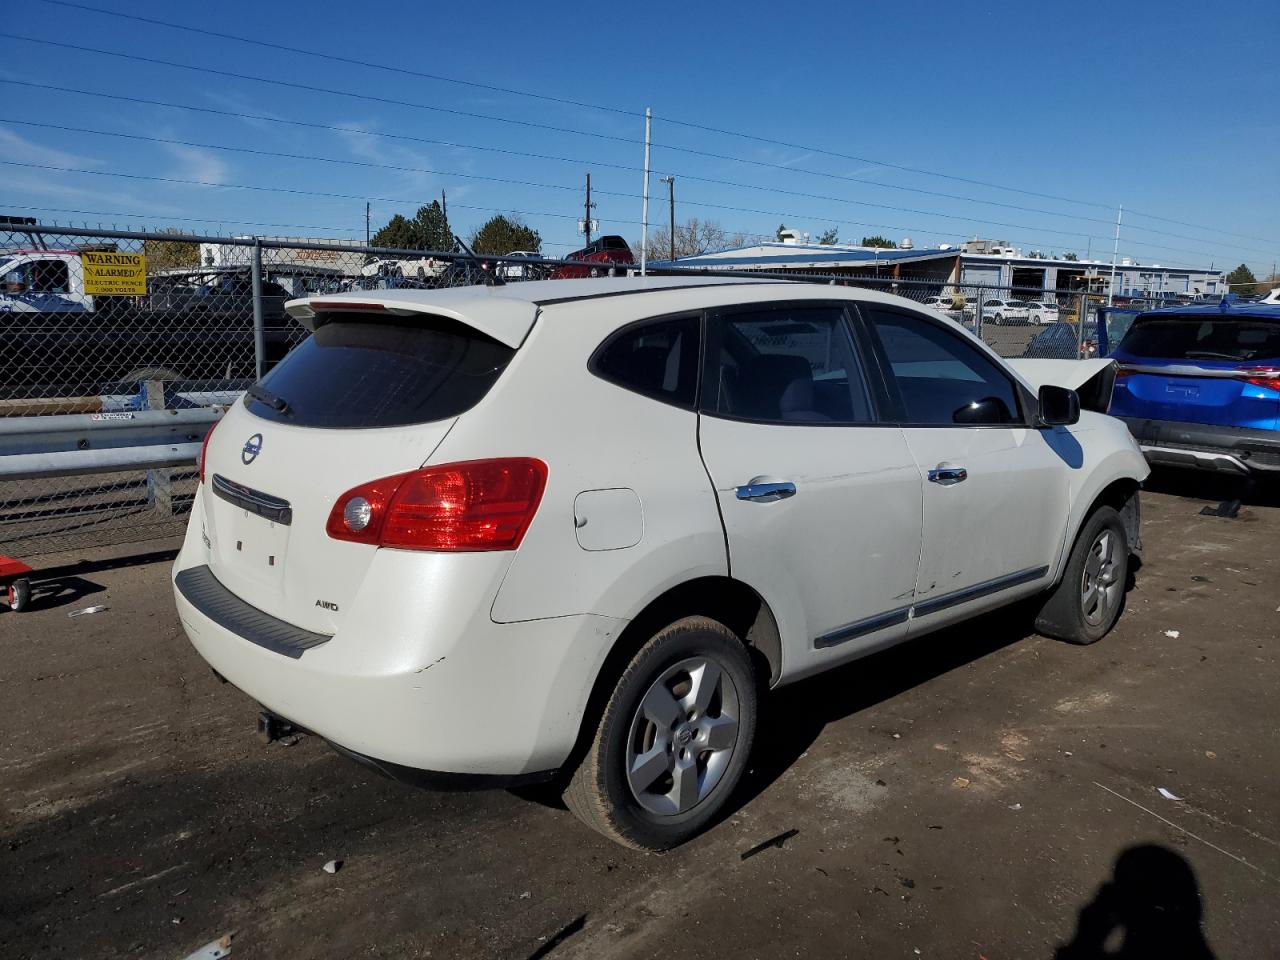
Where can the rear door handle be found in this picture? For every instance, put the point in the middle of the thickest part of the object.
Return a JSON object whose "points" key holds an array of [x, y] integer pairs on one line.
{"points": [[766, 491], [947, 474]]}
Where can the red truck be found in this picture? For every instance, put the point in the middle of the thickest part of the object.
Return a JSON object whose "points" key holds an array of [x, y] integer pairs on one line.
{"points": [[608, 252]]}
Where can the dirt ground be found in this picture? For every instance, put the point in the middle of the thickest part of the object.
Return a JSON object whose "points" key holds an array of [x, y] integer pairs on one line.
{"points": [[982, 792]]}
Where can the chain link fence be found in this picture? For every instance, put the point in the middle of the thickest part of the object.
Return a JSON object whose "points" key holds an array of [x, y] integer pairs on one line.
{"points": [[110, 326]]}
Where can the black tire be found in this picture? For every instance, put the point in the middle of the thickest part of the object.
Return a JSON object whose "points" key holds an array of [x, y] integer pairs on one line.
{"points": [[1068, 613], [19, 594], [999, 320], [600, 792]]}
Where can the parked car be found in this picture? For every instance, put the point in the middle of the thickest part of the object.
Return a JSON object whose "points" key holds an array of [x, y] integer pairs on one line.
{"points": [[610, 252], [1006, 311], [523, 265], [1199, 387], [1042, 311], [1062, 341], [406, 543]]}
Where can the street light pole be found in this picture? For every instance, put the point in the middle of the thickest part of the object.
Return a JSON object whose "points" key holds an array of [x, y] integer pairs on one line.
{"points": [[671, 201]]}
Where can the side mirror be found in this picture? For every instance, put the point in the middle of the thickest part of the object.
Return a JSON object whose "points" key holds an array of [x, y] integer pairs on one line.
{"points": [[1059, 407], [14, 282]]}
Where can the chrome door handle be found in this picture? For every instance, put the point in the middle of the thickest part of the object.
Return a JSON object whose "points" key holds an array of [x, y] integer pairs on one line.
{"points": [[948, 474], [766, 491]]}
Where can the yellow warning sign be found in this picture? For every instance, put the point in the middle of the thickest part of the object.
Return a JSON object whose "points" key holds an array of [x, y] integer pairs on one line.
{"points": [[114, 274]]}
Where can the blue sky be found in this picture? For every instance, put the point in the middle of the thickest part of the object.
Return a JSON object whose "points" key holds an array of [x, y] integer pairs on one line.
{"points": [[1164, 107]]}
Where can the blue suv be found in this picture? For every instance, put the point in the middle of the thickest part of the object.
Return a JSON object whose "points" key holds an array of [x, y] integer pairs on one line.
{"points": [[1199, 386]]}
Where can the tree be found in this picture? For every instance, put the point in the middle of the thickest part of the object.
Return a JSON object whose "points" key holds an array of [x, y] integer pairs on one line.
{"points": [[693, 237], [500, 235], [879, 241], [397, 233], [1069, 256], [1242, 280], [829, 237], [428, 230], [171, 254]]}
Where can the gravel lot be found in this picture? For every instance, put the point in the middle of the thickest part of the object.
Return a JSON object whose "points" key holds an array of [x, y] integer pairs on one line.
{"points": [[980, 793]]}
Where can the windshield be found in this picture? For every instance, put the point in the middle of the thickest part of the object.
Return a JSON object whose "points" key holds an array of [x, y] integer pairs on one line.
{"points": [[353, 374], [1200, 337]]}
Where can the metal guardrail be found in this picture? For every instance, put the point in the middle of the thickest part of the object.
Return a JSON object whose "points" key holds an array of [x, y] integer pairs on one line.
{"points": [[64, 446]]}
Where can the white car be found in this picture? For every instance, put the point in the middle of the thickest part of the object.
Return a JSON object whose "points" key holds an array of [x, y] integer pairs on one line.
{"points": [[1042, 312], [1006, 311], [575, 529]]}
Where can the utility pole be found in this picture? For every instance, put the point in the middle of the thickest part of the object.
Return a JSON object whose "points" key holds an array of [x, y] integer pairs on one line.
{"points": [[444, 206], [644, 208], [671, 200], [586, 214], [1115, 252], [366, 223]]}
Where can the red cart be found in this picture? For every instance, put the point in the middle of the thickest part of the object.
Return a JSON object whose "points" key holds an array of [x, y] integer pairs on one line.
{"points": [[15, 580]]}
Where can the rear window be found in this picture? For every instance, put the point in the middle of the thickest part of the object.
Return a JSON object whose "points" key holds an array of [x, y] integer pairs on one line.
{"points": [[1203, 337], [353, 374]]}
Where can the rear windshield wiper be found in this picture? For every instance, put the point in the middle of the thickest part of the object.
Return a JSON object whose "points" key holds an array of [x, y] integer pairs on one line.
{"points": [[1212, 355], [259, 392]]}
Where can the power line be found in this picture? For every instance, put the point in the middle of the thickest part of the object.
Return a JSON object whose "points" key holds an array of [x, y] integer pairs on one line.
{"points": [[920, 171], [5, 205], [352, 61], [310, 88], [494, 118], [287, 190], [525, 213], [575, 160], [367, 164]]}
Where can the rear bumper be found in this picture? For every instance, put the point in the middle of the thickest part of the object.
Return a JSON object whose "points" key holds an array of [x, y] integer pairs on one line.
{"points": [[419, 695], [1205, 446]]}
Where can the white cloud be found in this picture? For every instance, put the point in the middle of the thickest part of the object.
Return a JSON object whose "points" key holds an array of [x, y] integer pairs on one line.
{"points": [[21, 150], [195, 163]]}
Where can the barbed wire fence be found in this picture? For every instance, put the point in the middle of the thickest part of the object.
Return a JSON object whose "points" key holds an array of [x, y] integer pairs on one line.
{"points": [[188, 322]]}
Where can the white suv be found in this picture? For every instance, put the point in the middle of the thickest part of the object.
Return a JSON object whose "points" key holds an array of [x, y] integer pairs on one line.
{"points": [[577, 528], [1006, 311]]}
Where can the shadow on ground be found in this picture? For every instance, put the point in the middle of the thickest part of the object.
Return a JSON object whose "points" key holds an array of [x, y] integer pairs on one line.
{"points": [[1150, 909], [1213, 487]]}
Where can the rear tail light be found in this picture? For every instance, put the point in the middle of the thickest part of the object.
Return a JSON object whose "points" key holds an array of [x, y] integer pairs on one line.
{"points": [[1266, 377], [1124, 372], [469, 506], [204, 450]]}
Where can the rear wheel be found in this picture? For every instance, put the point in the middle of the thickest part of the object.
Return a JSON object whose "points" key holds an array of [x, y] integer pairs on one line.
{"points": [[673, 741], [19, 594], [1087, 601], [999, 320]]}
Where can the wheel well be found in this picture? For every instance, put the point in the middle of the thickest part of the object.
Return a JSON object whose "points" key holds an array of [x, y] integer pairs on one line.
{"points": [[729, 601], [1122, 496]]}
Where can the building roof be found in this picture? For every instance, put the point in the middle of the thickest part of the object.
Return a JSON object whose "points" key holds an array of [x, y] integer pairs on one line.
{"points": [[803, 256], [812, 256]]}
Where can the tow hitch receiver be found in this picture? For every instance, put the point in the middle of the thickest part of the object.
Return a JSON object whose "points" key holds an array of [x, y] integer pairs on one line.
{"points": [[272, 728]]}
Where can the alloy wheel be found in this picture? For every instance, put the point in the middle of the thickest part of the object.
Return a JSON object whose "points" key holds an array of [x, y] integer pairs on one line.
{"points": [[682, 736], [1100, 586]]}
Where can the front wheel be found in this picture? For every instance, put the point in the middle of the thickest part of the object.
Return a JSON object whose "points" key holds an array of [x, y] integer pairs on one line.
{"points": [[1087, 601], [673, 741]]}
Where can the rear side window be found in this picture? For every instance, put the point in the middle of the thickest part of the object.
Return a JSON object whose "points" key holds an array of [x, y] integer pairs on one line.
{"points": [[353, 374], [658, 358], [1201, 337], [787, 365]]}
